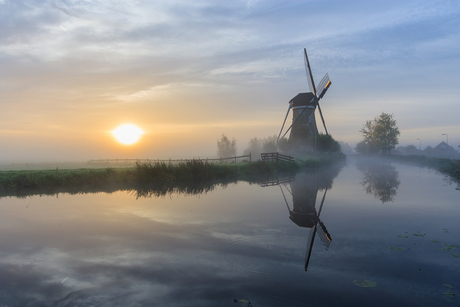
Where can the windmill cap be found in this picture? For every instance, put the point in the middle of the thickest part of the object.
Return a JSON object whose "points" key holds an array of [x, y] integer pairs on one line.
{"points": [[303, 99]]}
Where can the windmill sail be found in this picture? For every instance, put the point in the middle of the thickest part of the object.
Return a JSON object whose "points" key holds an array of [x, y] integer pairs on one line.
{"points": [[323, 86], [324, 235], [311, 82]]}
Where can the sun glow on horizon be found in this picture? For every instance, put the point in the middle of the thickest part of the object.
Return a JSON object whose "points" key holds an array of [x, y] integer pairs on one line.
{"points": [[127, 134]]}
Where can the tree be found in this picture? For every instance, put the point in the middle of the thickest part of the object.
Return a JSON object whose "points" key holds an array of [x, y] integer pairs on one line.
{"points": [[363, 148], [254, 148], [408, 150], [225, 147], [284, 145], [326, 143], [269, 144], [380, 134]]}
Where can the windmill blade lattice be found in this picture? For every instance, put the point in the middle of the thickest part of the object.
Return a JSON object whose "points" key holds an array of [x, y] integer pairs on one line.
{"points": [[323, 86]]}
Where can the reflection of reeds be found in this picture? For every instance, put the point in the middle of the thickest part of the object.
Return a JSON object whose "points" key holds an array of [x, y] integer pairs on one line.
{"points": [[448, 167], [145, 179], [23, 183]]}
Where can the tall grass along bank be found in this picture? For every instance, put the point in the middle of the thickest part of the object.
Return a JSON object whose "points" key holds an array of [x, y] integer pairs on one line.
{"points": [[187, 177], [448, 167]]}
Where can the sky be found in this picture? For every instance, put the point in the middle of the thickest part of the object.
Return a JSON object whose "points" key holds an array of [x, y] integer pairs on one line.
{"points": [[186, 72]]}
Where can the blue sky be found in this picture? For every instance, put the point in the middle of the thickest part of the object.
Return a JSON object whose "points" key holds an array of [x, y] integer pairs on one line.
{"points": [[188, 71]]}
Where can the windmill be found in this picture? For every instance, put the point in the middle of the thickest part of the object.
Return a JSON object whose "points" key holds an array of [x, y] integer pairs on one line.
{"points": [[303, 207], [303, 212], [303, 106]]}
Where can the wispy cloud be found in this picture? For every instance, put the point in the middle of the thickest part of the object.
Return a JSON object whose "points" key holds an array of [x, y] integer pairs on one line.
{"points": [[66, 59]]}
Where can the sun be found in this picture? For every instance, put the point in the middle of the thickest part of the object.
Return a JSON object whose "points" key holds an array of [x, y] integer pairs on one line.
{"points": [[127, 134]]}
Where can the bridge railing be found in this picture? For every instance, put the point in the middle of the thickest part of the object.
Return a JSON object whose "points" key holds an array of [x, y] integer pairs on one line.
{"points": [[277, 181], [276, 157]]}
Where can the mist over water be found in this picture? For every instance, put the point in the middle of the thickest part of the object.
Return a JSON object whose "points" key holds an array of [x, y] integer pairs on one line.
{"points": [[374, 233]]}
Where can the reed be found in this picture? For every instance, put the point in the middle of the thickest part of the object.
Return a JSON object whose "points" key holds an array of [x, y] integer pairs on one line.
{"points": [[198, 170], [448, 167], [148, 179]]}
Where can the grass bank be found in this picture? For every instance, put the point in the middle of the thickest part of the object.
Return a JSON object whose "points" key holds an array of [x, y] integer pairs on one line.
{"points": [[149, 179], [448, 167]]}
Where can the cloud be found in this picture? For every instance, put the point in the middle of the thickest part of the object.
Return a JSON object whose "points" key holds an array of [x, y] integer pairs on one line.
{"points": [[96, 62]]}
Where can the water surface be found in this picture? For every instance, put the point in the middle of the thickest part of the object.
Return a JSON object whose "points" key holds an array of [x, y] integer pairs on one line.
{"points": [[375, 234]]}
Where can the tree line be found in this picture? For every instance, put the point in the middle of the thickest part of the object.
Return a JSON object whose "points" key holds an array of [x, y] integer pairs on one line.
{"points": [[380, 135], [227, 148]]}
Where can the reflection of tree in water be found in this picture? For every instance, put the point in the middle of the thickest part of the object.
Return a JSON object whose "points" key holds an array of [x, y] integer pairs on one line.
{"points": [[380, 179]]}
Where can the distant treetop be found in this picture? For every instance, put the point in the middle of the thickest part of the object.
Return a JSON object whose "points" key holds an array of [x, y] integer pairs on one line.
{"points": [[379, 135]]}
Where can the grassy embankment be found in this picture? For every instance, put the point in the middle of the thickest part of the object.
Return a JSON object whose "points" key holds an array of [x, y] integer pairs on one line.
{"points": [[448, 167], [149, 179]]}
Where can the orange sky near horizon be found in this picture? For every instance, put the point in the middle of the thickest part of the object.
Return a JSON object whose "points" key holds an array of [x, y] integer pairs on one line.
{"points": [[186, 73]]}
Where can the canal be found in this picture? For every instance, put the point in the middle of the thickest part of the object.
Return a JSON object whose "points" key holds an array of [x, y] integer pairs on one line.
{"points": [[368, 233]]}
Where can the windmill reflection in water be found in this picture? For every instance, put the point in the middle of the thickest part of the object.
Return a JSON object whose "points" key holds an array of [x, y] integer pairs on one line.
{"points": [[304, 189]]}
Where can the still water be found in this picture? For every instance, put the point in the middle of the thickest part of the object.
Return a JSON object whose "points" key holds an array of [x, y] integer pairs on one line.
{"points": [[369, 234]]}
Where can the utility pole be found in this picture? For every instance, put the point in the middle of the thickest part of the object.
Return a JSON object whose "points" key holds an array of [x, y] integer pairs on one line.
{"points": [[447, 137]]}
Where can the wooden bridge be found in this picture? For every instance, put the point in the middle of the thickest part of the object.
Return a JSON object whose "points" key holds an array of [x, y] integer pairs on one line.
{"points": [[275, 156], [277, 181]]}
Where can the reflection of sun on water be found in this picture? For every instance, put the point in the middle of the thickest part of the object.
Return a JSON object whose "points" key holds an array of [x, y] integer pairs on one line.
{"points": [[127, 134]]}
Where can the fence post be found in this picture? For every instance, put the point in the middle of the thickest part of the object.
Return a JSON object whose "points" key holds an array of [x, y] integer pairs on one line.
{"points": [[250, 157]]}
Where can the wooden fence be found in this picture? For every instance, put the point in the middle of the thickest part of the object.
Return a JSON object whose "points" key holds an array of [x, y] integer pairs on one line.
{"points": [[277, 181], [233, 159], [274, 156]]}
